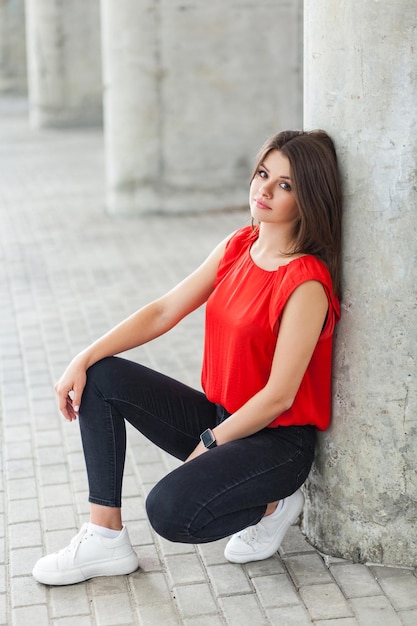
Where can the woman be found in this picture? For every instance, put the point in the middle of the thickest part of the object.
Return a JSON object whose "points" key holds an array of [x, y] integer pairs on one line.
{"points": [[248, 440]]}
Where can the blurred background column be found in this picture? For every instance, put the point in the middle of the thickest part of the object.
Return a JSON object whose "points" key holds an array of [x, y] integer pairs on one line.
{"points": [[361, 85], [12, 47], [191, 91], [64, 63]]}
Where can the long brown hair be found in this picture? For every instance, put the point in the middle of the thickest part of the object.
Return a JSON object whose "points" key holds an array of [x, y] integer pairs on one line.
{"points": [[317, 187]]}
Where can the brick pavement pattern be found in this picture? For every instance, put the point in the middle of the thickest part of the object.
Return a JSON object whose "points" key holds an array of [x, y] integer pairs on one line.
{"points": [[68, 273]]}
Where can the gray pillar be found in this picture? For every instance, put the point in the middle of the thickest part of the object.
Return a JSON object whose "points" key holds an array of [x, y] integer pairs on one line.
{"points": [[64, 63], [191, 90], [361, 86], [12, 47]]}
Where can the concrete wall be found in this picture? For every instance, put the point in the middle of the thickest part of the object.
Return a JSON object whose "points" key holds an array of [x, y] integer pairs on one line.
{"points": [[191, 91], [12, 47], [64, 62], [361, 85]]}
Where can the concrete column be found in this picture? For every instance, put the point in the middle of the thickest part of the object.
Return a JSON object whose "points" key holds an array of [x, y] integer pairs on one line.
{"points": [[191, 91], [64, 63], [12, 47], [361, 85]]}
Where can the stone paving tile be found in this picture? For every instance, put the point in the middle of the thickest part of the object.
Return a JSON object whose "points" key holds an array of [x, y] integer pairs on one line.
{"points": [[185, 569], [26, 592], [149, 559], [399, 585], [168, 548], [374, 611], [113, 610], [22, 560], [68, 601], [25, 535], [53, 474], [276, 591], [152, 472], [325, 601], [306, 569], [290, 616], [58, 517], [269, 567], [243, 610], [408, 618], [24, 510], [158, 614], [228, 580], [107, 586], [28, 616], [195, 600], [213, 553], [134, 507], [150, 588], [355, 580], [18, 450], [139, 532], [58, 495]]}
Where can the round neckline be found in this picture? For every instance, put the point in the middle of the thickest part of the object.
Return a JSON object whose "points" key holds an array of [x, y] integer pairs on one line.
{"points": [[278, 267]]}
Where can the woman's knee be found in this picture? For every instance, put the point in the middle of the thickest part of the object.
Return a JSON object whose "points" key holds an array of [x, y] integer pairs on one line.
{"points": [[102, 370], [101, 377], [168, 509]]}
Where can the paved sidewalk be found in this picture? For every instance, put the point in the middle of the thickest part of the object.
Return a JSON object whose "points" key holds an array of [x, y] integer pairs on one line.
{"points": [[68, 273]]}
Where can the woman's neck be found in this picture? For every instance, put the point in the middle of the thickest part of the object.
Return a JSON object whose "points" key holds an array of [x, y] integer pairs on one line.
{"points": [[273, 247], [275, 240]]}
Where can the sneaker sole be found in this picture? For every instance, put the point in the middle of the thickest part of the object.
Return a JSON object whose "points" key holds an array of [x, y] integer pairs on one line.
{"points": [[115, 567]]}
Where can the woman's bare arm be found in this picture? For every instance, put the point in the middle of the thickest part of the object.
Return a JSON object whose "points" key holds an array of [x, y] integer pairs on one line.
{"points": [[149, 322]]}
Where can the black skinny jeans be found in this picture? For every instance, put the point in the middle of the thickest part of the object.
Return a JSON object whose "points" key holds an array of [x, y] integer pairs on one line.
{"points": [[213, 496]]}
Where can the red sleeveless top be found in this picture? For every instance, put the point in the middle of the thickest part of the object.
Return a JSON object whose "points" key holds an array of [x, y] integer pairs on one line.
{"points": [[242, 324]]}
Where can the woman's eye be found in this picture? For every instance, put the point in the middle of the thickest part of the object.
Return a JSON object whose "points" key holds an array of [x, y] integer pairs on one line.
{"points": [[285, 186], [262, 174]]}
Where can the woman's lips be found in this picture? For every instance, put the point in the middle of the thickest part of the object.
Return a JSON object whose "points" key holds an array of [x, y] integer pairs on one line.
{"points": [[262, 205]]}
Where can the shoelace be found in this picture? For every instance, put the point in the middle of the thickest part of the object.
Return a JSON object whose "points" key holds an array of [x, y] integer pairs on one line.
{"points": [[75, 541], [250, 534]]}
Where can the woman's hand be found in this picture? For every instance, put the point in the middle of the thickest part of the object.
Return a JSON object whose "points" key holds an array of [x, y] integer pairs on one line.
{"points": [[69, 389]]}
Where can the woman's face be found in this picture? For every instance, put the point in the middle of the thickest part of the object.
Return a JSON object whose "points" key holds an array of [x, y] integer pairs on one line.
{"points": [[271, 195]]}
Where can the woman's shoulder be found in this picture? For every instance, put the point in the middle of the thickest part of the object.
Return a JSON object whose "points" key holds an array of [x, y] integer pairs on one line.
{"points": [[298, 271], [308, 267], [301, 270]]}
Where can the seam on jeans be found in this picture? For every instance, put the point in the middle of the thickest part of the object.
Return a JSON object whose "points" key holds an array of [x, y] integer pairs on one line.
{"points": [[114, 502], [109, 400], [109, 503]]}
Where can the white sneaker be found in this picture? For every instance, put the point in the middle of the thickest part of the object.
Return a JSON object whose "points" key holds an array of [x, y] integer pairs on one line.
{"points": [[88, 555], [261, 541]]}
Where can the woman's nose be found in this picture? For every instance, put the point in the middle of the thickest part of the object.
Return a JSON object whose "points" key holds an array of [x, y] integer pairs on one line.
{"points": [[265, 189]]}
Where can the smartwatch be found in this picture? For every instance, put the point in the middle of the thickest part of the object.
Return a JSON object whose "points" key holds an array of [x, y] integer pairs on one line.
{"points": [[208, 439]]}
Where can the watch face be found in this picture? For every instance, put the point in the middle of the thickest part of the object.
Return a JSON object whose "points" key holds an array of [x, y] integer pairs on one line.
{"points": [[208, 439]]}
